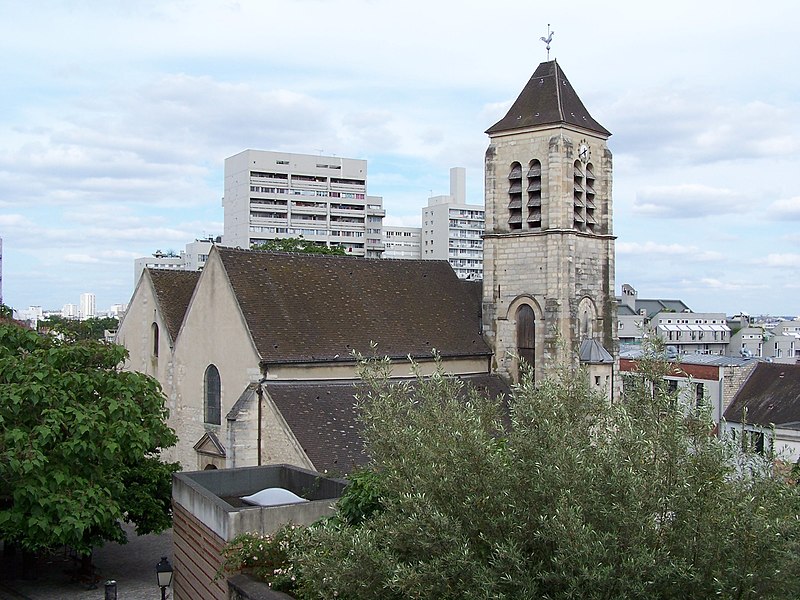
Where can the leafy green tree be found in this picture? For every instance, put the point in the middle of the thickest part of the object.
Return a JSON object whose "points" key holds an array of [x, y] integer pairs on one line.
{"points": [[557, 494], [300, 245], [73, 329], [79, 442]]}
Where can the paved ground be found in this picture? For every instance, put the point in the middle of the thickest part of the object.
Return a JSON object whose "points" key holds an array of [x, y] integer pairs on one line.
{"points": [[132, 566]]}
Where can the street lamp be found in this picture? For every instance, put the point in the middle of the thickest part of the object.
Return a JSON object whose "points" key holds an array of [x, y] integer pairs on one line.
{"points": [[164, 575]]}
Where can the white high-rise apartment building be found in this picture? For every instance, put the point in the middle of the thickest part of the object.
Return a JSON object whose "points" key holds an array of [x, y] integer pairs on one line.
{"points": [[86, 306], [323, 199], [452, 230], [402, 242]]}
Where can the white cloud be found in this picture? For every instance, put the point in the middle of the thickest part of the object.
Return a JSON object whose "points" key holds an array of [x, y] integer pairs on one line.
{"points": [[81, 259], [786, 209], [688, 201], [654, 249], [789, 260]]}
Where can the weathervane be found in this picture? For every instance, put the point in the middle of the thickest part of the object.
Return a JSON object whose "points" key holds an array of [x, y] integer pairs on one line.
{"points": [[548, 39]]}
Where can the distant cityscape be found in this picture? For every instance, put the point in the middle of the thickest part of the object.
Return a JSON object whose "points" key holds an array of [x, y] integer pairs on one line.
{"points": [[324, 200]]}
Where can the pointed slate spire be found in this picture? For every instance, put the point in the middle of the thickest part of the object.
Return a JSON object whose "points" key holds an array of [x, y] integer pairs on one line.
{"points": [[548, 99]]}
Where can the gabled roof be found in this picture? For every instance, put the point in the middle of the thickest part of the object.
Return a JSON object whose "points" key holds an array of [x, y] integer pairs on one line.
{"points": [[308, 308], [323, 417], [548, 99], [771, 396], [173, 289], [654, 306]]}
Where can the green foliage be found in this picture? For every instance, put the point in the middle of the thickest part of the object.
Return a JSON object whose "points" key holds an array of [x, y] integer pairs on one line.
{"points": [[266, 557], [361, 498], [74, 330], [300, 245], [570, 496], [78, 443]]}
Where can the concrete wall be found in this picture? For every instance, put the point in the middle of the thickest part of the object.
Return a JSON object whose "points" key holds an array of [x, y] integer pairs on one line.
{"points": [[204, 522]]}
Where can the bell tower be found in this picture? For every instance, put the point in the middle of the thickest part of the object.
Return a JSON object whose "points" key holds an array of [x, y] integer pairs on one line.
{"points": [[548, 287]]}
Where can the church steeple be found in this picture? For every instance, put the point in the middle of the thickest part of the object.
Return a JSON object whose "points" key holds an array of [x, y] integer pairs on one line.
{"points": [[548, 99], [548, 249]]}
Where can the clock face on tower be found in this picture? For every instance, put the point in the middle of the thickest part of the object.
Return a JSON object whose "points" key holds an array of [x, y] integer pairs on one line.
{"points": [[583, 152]]}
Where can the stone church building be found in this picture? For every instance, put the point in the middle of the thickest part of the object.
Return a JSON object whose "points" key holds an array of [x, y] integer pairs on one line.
{"points": [[256, 353]]}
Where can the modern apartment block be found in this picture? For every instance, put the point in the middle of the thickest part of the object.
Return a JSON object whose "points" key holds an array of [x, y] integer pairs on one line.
{"points": [[452, 230], [402, 242], [323, 199], [193, 258], [86, 306], [686, 331]]}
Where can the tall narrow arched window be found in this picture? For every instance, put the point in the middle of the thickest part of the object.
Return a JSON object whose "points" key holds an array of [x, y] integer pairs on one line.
{"points": [[535, 195], [515, 196], [154, 330], [526, 338], [212, 393]]}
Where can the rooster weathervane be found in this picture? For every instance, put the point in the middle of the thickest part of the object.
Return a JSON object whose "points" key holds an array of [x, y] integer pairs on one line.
{"points": [[548, 39]]}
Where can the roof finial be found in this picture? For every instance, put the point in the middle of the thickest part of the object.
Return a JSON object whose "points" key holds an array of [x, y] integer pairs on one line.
{"points": [[548, 39]]}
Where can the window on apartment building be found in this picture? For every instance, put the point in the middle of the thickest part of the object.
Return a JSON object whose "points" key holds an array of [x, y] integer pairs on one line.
{"points": [[699, 394], [212, 395]]}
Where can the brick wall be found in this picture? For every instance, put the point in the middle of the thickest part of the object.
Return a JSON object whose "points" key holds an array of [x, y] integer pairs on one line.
{"points": [[197, 554]]}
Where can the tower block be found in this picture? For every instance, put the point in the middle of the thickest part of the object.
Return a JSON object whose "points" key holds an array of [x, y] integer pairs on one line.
{"points": [[548, 287]]}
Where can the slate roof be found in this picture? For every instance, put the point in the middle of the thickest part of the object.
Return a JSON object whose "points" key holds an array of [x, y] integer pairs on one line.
{"points": [[309, 308], [548, 99], [771, 395], [174, 289], [323, 418], [653, 307], [592, 352]]}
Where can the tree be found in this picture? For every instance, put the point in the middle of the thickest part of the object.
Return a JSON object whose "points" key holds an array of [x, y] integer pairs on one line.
{"points": [[556, 494], [300, 245], [79, 442], [72, 330]]}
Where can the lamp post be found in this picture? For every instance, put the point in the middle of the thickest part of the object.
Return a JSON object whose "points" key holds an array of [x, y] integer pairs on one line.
{"points": [[164, 575]]}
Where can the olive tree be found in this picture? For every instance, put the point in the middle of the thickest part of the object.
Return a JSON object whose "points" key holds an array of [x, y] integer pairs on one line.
{"points": [[555, 493]]}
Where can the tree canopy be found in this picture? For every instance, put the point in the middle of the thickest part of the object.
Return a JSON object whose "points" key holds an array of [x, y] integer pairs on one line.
{"points": [[555, 493], [79, 442], [300, 245], [74, 329]]}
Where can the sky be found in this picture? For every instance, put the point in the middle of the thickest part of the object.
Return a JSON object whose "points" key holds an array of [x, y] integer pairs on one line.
{"points": [[116, 119]]}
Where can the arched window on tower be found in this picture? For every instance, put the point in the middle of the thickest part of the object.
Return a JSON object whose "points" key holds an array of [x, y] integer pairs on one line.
{"points": [[515, 196], [212, 396], [526, 338], [534, 219]]}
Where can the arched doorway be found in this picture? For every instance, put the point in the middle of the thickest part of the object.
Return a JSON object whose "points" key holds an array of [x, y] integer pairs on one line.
{"points": [[526, 340]]}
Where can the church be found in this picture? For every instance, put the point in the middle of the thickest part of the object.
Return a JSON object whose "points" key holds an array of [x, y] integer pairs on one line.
{"points": [[257, 353]]}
